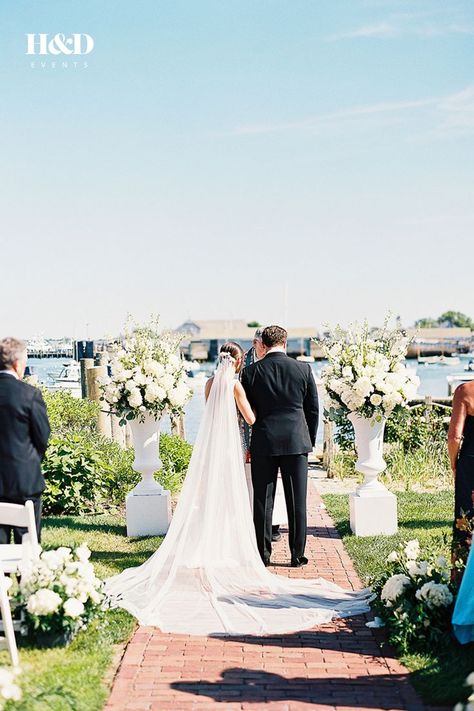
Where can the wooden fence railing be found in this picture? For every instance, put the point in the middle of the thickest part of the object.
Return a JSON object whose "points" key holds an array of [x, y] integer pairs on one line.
{"points": [[426, 403]]}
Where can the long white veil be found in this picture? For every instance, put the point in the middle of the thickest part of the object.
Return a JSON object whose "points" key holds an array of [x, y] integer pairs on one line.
{"points": [[207, 576]]}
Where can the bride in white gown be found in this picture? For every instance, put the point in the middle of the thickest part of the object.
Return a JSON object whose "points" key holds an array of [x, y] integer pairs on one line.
{"points": [[207, 576]]}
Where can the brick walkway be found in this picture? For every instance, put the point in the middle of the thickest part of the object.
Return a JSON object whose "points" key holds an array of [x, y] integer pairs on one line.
{"points": [[339, 666]]}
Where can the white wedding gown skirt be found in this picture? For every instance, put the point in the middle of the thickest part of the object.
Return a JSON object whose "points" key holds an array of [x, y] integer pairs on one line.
{"points": [[207, 576]]}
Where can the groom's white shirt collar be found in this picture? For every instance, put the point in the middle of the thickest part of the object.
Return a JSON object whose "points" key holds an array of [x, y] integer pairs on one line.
{"points": [[276, 349], [10, 372]]}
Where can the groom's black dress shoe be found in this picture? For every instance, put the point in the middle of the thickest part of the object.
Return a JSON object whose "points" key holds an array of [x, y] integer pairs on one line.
{"points": [[298, 562], [276, 535]]}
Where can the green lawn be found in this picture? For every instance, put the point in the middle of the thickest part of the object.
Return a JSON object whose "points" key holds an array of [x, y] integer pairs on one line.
{"points": [[78, 671], [439, 675]]}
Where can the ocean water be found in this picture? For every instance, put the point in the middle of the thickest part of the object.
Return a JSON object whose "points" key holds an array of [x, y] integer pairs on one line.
{"points": [[432, 377]]}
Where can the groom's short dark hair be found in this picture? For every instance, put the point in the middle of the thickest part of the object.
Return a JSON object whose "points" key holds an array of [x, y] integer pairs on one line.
{"points": [[274, 336]]}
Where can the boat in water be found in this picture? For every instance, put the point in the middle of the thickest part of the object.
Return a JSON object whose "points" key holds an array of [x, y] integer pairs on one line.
{"points": [[68, 379], [305, 358], [439, 360]]}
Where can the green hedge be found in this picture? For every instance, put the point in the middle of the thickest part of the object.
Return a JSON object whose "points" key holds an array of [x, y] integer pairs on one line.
{"points": [[86, 472], [68, 414]]}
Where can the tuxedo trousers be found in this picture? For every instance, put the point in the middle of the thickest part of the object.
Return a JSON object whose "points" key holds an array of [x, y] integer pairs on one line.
{"points": [[294, 475]]}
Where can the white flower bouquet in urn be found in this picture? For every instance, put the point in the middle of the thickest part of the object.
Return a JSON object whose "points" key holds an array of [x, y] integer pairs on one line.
{"points": [[59, 594], [366, 374], [147, 375]]}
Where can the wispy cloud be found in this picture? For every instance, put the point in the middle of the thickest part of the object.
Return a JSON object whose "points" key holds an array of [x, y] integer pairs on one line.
{"points": [[455, 114], [417, 24], [432, 117], [379, 29], [335, 117]]}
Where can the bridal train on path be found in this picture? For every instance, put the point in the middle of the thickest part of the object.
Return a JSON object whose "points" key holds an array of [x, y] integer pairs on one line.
{"points": [[207, 577]]}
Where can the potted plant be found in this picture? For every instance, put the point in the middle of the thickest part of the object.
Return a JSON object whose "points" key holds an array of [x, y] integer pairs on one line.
{"points": [[58, 595], [366, 379], [147, 379]]}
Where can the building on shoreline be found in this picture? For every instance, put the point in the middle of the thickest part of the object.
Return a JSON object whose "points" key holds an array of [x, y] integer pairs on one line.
{"points": [[439, 341], [204, 338]]}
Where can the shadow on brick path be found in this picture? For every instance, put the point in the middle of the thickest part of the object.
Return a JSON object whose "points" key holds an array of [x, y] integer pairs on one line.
{"points": [[340, 666]]}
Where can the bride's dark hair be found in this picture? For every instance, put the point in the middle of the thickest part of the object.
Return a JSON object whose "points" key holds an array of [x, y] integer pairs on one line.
{"points": [[235, 350]]}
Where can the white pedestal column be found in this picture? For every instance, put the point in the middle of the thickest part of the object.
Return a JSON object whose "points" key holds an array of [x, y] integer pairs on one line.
{"points": [[148, 505], [373, 508]]}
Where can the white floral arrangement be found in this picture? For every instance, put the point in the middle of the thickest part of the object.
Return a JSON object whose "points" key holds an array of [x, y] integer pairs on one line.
{"points": [[469, 705], [59, 592], [9, 687], [147, 375], [414, 597], [366, 373]]}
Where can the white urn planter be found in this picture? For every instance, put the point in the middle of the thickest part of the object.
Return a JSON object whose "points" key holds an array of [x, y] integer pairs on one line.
{"points": [[373, 508], [148, 504]]}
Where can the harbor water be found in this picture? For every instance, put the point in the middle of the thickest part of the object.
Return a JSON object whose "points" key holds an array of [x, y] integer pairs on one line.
{"points": [[432, 382]]}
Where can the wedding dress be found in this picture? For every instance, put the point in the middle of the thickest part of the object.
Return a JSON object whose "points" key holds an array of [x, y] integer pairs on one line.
{"points": [[207, 576]]}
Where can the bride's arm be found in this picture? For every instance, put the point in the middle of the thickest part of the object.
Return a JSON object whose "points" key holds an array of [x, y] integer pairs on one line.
{"points": [[243, 404]]}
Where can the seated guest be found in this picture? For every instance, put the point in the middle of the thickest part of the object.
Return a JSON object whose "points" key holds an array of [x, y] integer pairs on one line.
{"points": [[24, 432]]}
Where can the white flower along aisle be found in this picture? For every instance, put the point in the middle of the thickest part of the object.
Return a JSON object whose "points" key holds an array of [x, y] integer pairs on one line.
{"points": [[148, 379], [366, 379]]}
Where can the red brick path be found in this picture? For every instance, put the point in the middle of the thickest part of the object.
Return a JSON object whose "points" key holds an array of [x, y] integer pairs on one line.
{"points": [[338, 666]]}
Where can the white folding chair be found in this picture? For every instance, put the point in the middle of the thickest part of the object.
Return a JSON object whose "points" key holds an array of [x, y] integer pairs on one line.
{"points": [[7, 622], [12, 554]]}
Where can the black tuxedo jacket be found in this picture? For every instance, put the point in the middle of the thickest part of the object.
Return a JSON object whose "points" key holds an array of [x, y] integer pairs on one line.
{"points": [[24, 432], [283, 393]]}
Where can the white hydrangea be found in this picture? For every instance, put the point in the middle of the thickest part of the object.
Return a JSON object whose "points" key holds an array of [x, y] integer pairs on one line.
{"points": [[363, 387], [154, 392], [417, 569], [167, 382], [412, 549], [9, 689], [394, 587], [392, 557], [83, 552], [73, 608], [179, 395], [130, 385], [44, 602], [154, 368], [135, 398], [139, 377], [435, 594]]}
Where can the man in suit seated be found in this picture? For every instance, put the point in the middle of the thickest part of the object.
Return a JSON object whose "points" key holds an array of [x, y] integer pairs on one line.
{"points": [[24, 433]]}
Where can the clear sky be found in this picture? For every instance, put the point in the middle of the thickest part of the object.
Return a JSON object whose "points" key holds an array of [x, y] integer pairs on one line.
{"points": [[217, 154]]}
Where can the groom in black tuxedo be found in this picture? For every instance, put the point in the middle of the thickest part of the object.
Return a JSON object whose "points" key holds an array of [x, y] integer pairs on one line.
{"points": [[283, 393]]}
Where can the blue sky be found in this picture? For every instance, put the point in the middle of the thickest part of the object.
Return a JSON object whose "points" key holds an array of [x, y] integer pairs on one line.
{"points": [[216, 154]]}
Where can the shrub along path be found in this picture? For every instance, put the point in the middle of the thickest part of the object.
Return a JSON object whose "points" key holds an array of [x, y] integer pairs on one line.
{"points": [[339, 666]]}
